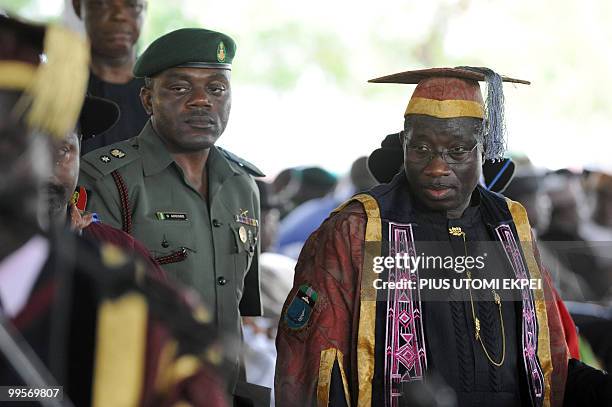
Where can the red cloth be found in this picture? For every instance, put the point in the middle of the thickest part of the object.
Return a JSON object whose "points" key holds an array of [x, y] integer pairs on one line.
{"points": [[571, 334], [331, 262], [100, 232]]}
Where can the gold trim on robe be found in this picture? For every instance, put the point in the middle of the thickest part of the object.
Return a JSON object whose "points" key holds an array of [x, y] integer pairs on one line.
{"points": [[120, 351], [519, 215], [326, 366], [367, 308]]}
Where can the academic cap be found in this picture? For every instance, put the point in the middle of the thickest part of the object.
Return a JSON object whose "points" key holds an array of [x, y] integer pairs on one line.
{"points": [[455, 92], [50, 66]]}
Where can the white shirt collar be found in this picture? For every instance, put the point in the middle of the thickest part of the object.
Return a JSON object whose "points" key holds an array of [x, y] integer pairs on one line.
{"points": [[18, 273]]}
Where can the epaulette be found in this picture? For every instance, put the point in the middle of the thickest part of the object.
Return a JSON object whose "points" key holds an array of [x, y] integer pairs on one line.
{"points": [[247, 166], [107, 159]]}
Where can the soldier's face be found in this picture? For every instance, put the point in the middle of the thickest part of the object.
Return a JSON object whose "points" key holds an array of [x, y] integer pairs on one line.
{"points": [[438, 185], [62, 183], [113, 26], [189, 107]]}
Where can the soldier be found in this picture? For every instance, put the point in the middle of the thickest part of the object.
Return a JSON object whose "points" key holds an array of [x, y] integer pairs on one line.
{"points": [[73, 314], [194, 205]]}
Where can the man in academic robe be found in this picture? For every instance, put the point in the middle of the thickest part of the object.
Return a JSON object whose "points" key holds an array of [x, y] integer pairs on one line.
{"points": [[351, 335], [73, 314]]}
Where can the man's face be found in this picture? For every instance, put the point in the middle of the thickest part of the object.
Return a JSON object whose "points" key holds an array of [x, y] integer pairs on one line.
{"points": [[438, 185], [113, 26], [62, 183], [189, 106], [24, 161]]}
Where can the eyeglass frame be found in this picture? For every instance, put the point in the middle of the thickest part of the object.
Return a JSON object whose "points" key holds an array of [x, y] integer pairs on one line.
{"points": [[443, 154]]}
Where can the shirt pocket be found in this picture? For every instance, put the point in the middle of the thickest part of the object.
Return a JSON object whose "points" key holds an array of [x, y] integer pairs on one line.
{"points": [[168, 242]]}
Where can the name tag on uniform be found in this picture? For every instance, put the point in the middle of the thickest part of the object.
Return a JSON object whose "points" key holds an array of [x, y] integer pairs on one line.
{"points": [[171, 215]]}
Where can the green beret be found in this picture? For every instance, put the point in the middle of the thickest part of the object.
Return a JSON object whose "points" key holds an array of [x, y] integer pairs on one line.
{"points": [[187, 47]]}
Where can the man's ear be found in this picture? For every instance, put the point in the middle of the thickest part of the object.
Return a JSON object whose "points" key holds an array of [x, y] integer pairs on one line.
{"points": [[146, 99], [76, 5]]}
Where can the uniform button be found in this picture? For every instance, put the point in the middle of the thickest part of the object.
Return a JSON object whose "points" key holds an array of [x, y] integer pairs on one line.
{"points": [[222, 281], [216, 223], [165, 243]]}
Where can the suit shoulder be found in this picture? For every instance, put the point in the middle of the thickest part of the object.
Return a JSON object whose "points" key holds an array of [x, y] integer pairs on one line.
{"points": [[104, 160], [241, 163]]}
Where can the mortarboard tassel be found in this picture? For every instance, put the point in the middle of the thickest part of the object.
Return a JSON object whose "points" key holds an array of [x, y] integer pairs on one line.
{"points": [[56, 95], [494, 126]]}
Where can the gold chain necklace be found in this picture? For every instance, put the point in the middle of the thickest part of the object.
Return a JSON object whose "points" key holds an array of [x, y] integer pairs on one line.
{"points": [[457, 231]]}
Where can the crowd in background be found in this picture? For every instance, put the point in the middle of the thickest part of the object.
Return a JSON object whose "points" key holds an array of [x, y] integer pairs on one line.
{"points": [[570, 212]]}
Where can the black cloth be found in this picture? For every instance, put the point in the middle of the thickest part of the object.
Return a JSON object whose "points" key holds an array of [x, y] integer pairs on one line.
{"points": [[452, 350], [449, 325], [65, 348], [60, 317], [586, 386], [133, 116]]}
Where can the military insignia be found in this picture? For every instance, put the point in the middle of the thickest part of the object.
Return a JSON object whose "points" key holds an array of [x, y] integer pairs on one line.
{"points": [[171, 215], [115, 152], [79, 198], [105, 159], [243, 234], [300, 309], [243, 218], [221, 52]]}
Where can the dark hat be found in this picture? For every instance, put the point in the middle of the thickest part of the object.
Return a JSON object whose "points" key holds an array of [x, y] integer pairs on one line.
{"points": [[98, 115], [387, 160], [187, 47], [454, 92], [51, 98], [462, 72]]}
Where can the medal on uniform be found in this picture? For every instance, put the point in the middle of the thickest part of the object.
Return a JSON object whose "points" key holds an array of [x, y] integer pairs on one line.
{"points": [[243, 234], [244, 219]]}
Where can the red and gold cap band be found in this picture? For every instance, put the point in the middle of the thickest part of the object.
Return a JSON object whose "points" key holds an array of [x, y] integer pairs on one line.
{"points": [[444, 109]]}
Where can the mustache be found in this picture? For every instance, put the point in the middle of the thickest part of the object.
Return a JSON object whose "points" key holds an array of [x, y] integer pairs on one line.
{"points": [[55, 189]]}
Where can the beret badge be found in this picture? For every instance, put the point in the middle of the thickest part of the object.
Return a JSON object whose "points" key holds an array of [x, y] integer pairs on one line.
{"points": [[221, 52]]}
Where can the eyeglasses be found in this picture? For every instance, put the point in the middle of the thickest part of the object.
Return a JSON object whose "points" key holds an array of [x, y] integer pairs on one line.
{"points": [[424, 155]]}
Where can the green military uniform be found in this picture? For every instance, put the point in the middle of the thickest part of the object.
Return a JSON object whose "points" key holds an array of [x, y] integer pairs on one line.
{"points": [[212, 246], [210, 243]]}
